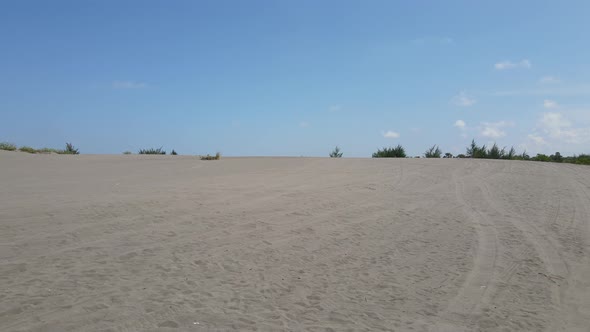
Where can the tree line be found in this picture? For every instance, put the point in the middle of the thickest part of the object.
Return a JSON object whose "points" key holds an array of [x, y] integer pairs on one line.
{"points": [[477, 152]]}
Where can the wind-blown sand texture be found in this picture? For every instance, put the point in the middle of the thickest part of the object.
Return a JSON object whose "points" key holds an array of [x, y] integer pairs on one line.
{"points": [[173, 243]]}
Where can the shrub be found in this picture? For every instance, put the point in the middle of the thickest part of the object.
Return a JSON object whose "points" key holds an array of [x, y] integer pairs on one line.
{"points": [[461, 156], [397, 152], [541, 157], [70, 149], [448, 155], [433, 152], [48, 150], [7, 146], [556, 157], [127, 152], [494, 152], [173, 152], [522, 156], [152, 151], [336, 153], [217, 156], [583, 159], [27, 149], [511, 154], [474, 151]]}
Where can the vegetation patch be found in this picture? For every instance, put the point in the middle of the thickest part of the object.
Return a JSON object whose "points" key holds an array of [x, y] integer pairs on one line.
{"points": [[27, 149], [433, 152], [391, 152], [336, 153], [217, 156], [48, 150], [152, 151], [7, 146], [70, 149]]}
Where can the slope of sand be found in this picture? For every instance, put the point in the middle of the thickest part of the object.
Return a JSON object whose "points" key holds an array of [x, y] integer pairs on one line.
{"points": [[162, 243]]}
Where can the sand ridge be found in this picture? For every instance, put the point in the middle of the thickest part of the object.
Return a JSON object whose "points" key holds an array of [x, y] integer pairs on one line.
{"points": [[173, 243]]}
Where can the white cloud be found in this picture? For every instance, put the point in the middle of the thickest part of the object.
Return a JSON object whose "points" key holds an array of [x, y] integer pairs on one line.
{"points": [[462, 127], [494, 129], [303, 124], [557, 126], [525, 63], [390, 134], [552, 123], [536, 139], [560, 131], [549, 80], [550, 103], [492, 132], [462, 99], [129, 85]]}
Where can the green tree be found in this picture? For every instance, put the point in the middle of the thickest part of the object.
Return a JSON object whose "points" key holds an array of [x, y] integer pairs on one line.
{"points": [[433, 152], [396, 152], [336, 153]]}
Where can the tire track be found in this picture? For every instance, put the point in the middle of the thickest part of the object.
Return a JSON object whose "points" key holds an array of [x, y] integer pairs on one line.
{"points": [[478, 286]]}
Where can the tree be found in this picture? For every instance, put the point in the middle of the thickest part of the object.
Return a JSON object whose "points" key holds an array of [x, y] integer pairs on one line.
{"points": [[336, 153], [556, 157], [397, 152], [494, 152], [448, 155], [474, 151], [433, 152], [511, 154], [70, 149]]}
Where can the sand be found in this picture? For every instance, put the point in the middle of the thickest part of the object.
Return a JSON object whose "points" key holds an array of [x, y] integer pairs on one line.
{"points": [[173, 243]]}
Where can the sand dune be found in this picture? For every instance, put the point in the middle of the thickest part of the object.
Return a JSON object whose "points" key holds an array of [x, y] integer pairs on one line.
{"points": [[163, 243]]}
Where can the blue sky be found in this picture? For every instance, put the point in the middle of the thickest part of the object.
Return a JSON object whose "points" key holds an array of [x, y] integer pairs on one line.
{"points": [[295, 77]]}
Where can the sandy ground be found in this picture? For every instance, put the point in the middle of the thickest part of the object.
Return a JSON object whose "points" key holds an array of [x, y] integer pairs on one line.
{"points": [[162, 243]]}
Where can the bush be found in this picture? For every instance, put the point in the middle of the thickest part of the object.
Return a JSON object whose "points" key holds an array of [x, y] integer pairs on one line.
{"points": [[397, 152], [511, 154], [7, 146], [27, 149], [523, 156], [433, 152], [474, 151], [70, 149], [127, 152], [461, 156], [173, 152], [541, 157], [152, 151], [557, 158], [448, 155], [336, 153], [217, 156], [48, 150], [583, 159], [494, 152]]}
